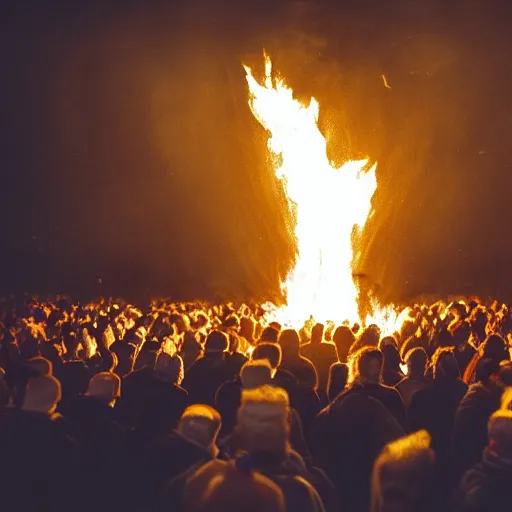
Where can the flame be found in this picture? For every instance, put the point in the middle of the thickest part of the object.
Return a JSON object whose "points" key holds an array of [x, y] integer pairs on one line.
{"points": [[329, 205]]}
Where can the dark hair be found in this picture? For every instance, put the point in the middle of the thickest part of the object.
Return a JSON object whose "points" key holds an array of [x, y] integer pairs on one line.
{"points": [[269, 351], [343, 338], [444, 364], [289, 342], [417, 360], [338, 377], [216, 341], [269, 334]]}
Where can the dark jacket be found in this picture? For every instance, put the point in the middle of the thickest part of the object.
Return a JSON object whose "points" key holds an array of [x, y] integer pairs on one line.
{"points": [[485, 487], [470, 426], [42, 467], [205, 376]]}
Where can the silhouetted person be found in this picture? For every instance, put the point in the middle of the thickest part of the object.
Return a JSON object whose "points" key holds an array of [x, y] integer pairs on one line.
{"points": [[321, 354], [403, 476], [210, 371], [338, 377], [175, 456], [391, 372], [434, 408], [415, 380], [225, 487], [165, 399], [343, 339], [486, 486], [470, 427], [42, 467]]}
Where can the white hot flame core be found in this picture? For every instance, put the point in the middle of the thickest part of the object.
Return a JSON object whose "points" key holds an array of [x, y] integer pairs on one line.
{"points": [[327, 204]]}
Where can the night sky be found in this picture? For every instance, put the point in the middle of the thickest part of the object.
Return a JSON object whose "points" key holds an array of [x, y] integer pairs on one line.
{"points": [[129, 154]]}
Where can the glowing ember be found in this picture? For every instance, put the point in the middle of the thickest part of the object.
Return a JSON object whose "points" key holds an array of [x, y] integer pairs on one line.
{"points": [[327, 204]]}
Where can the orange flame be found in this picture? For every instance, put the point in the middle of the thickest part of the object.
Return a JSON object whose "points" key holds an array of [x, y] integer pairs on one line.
{"points": [[327, 204]]}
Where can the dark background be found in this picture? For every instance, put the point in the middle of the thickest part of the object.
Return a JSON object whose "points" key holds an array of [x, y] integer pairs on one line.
{"points": [[128, 152]]}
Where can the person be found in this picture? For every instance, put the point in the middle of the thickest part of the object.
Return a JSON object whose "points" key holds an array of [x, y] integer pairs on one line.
{"points": [[262, 438], [391, 371], [209, 371], [306, 400], [338, 377], [253, 374], [402, 478], [433, 409], [165, 399], [486, 486], [224, 487], [494, 348], [302, 368], [321, 354], [160, 474], [43, 467], [130, 405], [482, 399], [349, 434], [415, 380], [343, 339], [365, 377]]}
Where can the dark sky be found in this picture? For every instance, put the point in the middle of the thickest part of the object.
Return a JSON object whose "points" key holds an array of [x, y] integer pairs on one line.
{"points": [[128, 152]]}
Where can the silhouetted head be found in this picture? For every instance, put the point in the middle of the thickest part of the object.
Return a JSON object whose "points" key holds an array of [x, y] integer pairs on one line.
{"points": [[269, 334], [256, 373], [416, 360], [495, 348], [39, 366], [147, 355], [232, 489], [106, 386], [269, 351], [343, 338], [262, 421], [169, 368], [201, 424], [461, 331], [216, 343], [366, 366], [42, 394], [403, 474], [317, 333], [289, 343], [338, 377], [444, 364]]}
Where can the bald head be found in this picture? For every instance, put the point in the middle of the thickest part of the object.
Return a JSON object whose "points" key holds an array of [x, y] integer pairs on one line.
{"points": [[42, 395]]}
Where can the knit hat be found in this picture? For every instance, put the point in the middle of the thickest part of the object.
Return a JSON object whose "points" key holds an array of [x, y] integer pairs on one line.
{"points": [[262, 420]]}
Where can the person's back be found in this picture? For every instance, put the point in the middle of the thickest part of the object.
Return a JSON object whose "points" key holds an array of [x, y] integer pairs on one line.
{"points": [[349, 435], [42, 467], [207, 373], [486, 486], [403, 476], [415, 379], [191, 445], [433, 409], [321, 354], [223, 487], [472, 417], [165, 400]]}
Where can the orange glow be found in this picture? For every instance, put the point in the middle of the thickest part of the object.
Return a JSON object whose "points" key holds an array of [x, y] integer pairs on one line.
{"points": [[326, 203]]}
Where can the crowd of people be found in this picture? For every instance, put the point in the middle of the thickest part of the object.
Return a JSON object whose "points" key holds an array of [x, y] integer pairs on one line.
{"points": [[193, 407]]}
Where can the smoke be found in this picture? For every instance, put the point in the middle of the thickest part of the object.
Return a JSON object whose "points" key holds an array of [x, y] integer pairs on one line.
{"points": [[143, 167]]}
